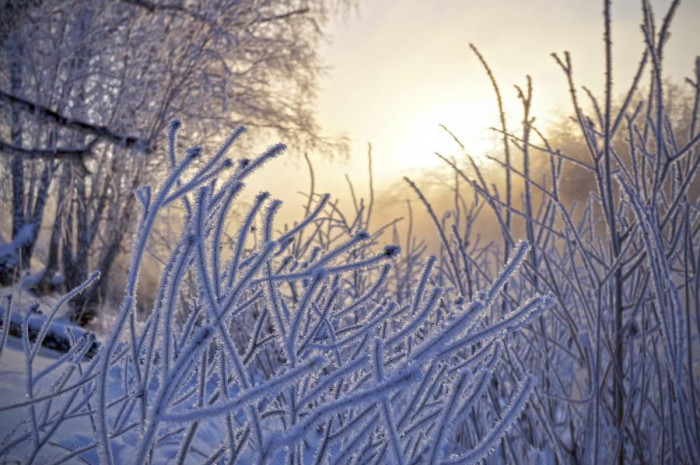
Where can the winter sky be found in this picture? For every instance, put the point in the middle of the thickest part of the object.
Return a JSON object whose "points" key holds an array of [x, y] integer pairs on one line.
{"points": [[399, 68]]}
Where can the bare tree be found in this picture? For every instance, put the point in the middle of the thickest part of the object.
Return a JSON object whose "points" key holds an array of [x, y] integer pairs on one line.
{"points": [[91, 85]]}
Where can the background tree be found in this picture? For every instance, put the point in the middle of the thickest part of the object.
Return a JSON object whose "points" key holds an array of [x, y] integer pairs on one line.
{"points": [[89, 87]]}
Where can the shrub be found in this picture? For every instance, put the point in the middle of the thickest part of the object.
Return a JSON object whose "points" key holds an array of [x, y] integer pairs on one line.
{"points": [[277, 353]]}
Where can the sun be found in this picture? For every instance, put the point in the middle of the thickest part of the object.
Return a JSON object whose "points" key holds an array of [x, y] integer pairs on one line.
{"points": [[423, 134]]}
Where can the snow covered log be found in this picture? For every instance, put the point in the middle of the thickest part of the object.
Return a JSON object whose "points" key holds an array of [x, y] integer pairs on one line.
{"points": [[60, 336]]}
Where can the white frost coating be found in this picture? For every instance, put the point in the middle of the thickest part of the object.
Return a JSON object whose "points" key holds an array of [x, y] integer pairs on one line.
{"points": [[297, 349], [487, 445]]}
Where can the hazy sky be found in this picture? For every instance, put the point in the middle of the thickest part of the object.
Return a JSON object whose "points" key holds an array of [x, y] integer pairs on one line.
{"points": [[400, 67]]}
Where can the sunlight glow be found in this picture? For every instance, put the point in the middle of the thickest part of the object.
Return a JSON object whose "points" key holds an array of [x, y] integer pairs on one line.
{"points": [[422, 135]]}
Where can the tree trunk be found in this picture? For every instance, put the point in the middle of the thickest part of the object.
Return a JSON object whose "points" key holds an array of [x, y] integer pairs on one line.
{"points": [[28, 203], [46, 284]]}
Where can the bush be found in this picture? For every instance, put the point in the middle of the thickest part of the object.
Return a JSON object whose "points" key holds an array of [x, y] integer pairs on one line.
{"points": [[271, 349], [617, 356]]}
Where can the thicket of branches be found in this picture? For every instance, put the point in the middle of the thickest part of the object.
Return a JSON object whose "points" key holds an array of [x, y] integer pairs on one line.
{"points": [[617, 357], [274, 346], [307, 344]]}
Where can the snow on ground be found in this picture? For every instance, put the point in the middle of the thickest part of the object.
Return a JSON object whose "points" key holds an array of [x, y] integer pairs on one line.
{"points": [[8, 250], [76, 433]]}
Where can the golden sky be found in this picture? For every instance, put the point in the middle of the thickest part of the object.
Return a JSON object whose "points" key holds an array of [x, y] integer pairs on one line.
{"points": [[398, 68]]}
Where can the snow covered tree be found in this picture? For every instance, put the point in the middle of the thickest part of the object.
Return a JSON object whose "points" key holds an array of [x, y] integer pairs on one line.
{"points": [[91, 85]]}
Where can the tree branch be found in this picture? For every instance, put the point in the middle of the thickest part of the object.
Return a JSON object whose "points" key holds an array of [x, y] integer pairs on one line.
{"points": [[57, 153], [101, 132], [267, 19], [152, 7]]}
